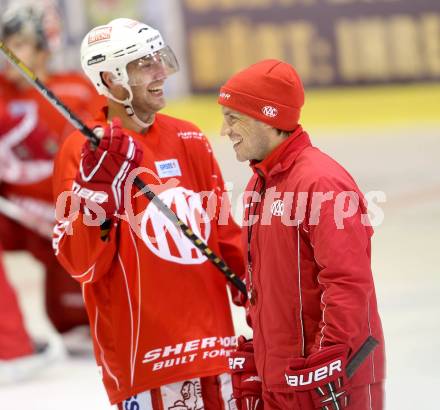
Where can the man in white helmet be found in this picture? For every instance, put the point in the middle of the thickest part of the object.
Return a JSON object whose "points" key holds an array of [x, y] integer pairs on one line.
{"points": [[159, 310]]}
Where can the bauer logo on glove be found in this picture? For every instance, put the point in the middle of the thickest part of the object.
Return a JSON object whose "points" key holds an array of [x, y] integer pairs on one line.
{"points": [[310, 377], [246, 384], [320, 380], [236, 363]]}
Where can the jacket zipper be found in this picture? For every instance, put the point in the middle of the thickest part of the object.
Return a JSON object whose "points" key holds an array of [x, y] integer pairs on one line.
{"points": [[255, 296]]}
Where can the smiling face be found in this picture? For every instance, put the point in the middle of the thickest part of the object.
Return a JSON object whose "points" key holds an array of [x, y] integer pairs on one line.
{"points": [[147, 78], [251, 139]]}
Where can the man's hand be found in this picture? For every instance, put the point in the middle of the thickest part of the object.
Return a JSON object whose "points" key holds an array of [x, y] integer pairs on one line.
{"points": [[246, 383], [103, 170], [320, 380]]}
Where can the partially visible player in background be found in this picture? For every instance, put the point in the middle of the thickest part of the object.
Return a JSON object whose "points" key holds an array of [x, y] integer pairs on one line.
{"points": [[31, 131], [159, 310]]}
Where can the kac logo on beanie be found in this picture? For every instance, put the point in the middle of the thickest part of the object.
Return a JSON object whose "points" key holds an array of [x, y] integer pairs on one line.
{"points": [[269, 111], [226, 96], [270, 91]]}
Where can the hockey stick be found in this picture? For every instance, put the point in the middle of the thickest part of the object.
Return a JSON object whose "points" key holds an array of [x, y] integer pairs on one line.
{"points": [[88, 133], [17, 214], [353, 364], [358, 358]]}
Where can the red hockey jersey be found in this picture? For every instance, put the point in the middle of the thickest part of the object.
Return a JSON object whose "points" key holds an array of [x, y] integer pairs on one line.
{"points": [[158, 308]]}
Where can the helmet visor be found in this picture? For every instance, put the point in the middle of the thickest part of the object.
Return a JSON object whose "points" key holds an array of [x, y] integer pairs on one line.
{"points": [[153, 67]]}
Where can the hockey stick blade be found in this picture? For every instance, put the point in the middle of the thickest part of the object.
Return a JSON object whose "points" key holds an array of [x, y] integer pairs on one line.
{"points": [[358, 358], [219, 263]]}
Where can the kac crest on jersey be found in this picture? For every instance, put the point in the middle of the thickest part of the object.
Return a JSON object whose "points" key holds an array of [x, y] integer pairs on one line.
{"points": [[167, 241], [277, 208]]}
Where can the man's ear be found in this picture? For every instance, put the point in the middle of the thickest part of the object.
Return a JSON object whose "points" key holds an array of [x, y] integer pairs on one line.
{"points": [[269, 128], [275, 131], [112, 83], [108, 79], [266, 126]]}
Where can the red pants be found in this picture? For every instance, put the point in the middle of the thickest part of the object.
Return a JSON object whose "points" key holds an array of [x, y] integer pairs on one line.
{"points": [[14, 340], [370, 397], [63, 297]]}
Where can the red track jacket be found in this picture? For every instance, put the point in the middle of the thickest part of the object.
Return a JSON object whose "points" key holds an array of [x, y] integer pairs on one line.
{"points": [[311, 268]]}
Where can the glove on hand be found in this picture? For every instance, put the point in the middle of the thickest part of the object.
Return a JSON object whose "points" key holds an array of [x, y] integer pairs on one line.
{"points": [[104, 170], [246, 384], [320, 380]]}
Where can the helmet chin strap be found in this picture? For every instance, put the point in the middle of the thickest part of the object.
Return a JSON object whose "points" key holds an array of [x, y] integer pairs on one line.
{"points": [[130, 110], [131, 113]]}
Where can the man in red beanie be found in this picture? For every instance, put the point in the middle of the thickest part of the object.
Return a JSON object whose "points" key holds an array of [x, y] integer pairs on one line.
{"points": [[312, 300]]}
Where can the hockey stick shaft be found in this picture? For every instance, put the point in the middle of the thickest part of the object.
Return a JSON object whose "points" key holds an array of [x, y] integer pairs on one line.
{"points": [[89, 134], [358, 358]]}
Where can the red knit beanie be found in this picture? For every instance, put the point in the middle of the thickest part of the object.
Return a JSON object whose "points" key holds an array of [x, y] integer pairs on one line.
{"points": [[269, 91]]}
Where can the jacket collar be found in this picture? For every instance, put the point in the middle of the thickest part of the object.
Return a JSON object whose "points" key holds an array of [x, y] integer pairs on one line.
{"points": [[283, 156]]}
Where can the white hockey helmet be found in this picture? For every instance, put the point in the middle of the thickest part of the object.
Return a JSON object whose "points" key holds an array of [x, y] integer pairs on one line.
{"points": [[110, 48]]}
